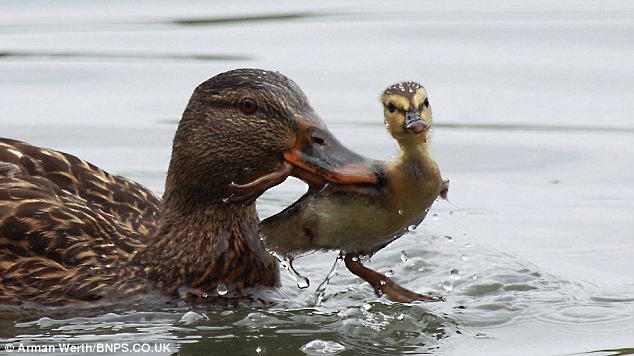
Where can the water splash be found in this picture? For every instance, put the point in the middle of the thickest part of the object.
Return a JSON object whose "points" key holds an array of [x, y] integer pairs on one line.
{"points": [[454, 274], [301, 281], [447, 285], [320, 292], [404, 257], [318, 347]]}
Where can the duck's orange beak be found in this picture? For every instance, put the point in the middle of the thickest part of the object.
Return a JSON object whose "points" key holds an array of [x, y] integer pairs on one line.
{"points": [[318, 156]]}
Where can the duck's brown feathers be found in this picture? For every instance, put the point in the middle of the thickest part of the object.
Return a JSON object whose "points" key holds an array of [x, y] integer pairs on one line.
{"points": [[61, 216]]}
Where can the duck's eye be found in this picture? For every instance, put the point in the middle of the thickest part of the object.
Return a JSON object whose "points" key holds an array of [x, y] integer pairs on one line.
{"points": [[426, 103], [318, 140], [391, 107], [248, 106]]}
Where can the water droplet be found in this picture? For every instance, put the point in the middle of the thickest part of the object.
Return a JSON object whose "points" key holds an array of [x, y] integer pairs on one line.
{"points": [[302, 282], [482, 335], [382, 282], [455, 274], [258, 350], [366, 306], [421, 269], [474, 277], [447, 285], [411, 228], [389, 273], [434, 217], [400, 212], [464, 235], [464, 257], [467, 245], [404, 257], [451, 213], [104, 256], [493, 263], [399, 316], [355, 258], [205, 295], [221, 289], [448, 238]]}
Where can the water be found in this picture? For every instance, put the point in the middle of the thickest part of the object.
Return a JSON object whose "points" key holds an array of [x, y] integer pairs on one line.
{"points": [[533, 110]]}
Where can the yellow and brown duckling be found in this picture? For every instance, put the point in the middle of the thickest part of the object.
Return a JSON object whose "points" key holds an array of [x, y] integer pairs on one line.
{"points": [[361, 219], [72, 233]]}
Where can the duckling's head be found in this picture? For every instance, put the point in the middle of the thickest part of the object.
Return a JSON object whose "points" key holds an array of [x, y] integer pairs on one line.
{"points": [[407, 112], [246, 123]]}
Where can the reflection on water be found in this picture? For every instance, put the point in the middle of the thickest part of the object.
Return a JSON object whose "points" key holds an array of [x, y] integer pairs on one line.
{"points": [[532, 254]]}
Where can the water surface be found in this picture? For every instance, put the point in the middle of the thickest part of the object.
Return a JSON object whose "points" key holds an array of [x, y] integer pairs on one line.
{"points": [[533, 106]]}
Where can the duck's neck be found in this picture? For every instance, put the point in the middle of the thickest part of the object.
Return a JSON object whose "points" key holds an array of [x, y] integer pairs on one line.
{"points": [[414, 150], [200, 248]]}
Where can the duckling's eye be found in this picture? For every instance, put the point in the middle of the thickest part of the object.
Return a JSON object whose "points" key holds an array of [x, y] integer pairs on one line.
{"points": [[391, 107], [426, 103], [248, 106]]}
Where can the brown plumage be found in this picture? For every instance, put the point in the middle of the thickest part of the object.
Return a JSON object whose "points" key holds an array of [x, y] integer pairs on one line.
{"points": [[361, 219], [70, 232]]}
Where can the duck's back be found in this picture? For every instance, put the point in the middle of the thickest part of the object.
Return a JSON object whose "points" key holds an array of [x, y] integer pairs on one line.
{"points": [[62, 218]]}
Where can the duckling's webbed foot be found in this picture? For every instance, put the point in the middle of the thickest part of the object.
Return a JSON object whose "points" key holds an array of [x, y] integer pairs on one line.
{"points": [[248, 192], [383, 285]]}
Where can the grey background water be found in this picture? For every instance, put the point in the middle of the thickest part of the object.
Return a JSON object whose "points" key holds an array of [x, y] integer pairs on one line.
{"points": [[533, 105]]}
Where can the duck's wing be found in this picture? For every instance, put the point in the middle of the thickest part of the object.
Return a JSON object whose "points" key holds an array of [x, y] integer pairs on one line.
{"points": [[64, 223], [129, 202]]}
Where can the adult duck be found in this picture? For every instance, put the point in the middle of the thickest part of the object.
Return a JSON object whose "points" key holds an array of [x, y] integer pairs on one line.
{"points": [[71, 232], [362, 219]]}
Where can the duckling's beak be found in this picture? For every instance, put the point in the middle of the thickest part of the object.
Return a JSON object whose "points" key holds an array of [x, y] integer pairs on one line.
{"points": [[318, 156], [413, 123]]}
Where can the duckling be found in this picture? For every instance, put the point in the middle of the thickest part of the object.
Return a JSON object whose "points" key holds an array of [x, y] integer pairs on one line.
{"points": [[362, 219], [72, 233]]}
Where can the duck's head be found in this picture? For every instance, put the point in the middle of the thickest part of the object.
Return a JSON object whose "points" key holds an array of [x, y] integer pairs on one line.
{"points": [[246, 123], [407, 112]]}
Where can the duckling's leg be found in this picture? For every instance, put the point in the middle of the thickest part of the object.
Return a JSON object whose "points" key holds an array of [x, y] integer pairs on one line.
{"points": [[248, 192], [383, 285]]}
